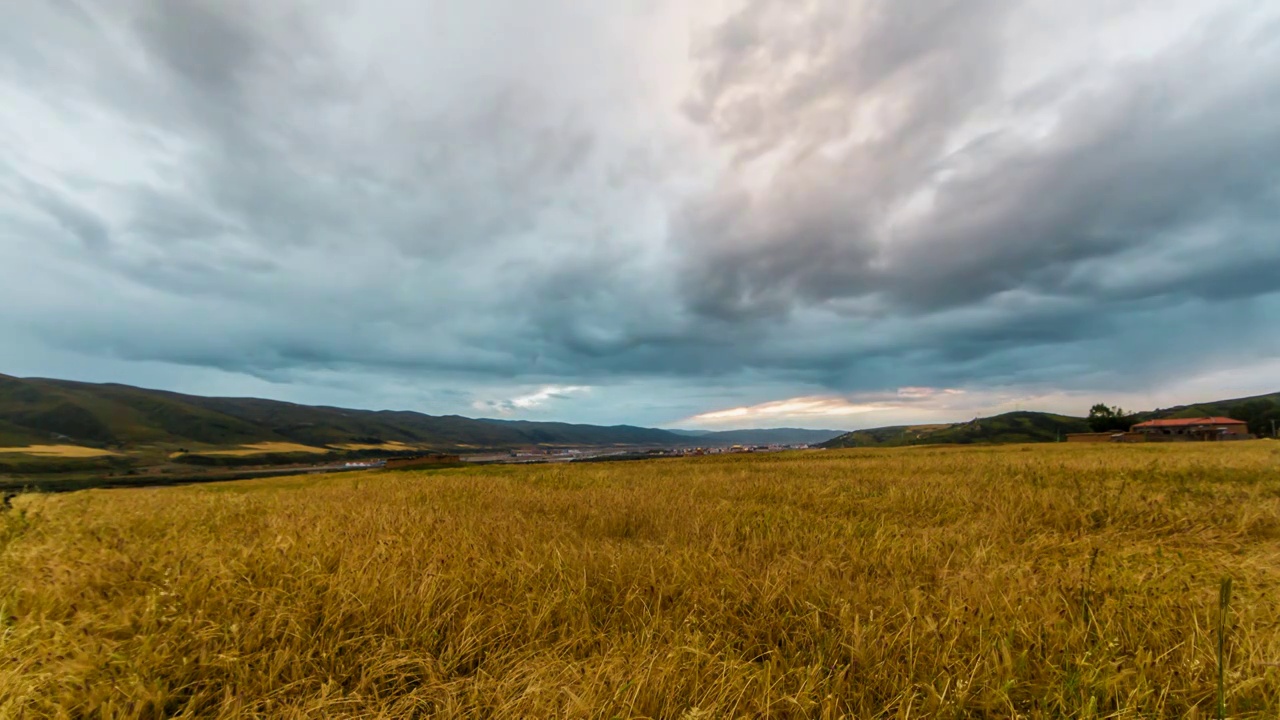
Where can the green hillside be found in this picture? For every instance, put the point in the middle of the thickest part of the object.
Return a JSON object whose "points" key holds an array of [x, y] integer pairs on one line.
{"points": [[1028, 427], [102, 415], [565, 433], [1014, 427], [37, 410]]}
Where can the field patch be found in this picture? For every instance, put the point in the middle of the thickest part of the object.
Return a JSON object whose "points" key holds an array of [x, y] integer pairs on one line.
{"points": [[263, 448], [391, 445], [62, 451]]}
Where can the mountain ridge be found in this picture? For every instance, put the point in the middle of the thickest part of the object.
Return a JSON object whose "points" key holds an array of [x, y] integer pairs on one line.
{"points": [[44, 410], [41, 410]]}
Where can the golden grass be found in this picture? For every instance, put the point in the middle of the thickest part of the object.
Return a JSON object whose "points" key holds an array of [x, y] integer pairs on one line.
{"points": [[1038, 582], [72, 451], [389, 445], [263, 448]]}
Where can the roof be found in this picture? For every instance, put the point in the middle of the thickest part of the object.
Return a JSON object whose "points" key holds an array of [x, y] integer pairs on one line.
{"points": [[1187, 422]]}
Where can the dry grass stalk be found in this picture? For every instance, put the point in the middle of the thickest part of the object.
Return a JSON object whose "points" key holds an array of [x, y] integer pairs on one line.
{"points": [[925, 582]]}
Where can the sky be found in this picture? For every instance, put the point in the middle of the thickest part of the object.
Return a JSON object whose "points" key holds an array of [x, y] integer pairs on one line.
{"points": [[806, 213]]}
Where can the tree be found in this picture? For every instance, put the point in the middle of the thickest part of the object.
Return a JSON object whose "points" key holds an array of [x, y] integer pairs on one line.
{"points": [[1259, 414], [1104, 418]]}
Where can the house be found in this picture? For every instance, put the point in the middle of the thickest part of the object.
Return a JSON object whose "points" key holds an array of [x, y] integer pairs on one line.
{"points": [[1202, 428]]}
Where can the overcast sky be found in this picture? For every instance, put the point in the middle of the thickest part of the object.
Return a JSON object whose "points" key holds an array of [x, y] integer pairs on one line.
{"points": [[822, 213]]}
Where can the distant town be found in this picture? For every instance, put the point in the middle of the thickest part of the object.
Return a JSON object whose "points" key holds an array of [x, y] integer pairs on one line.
{"points": [[560, 455]]}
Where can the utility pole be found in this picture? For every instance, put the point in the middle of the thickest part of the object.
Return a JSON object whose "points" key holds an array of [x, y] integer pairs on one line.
{"points": [[1273, 427]]}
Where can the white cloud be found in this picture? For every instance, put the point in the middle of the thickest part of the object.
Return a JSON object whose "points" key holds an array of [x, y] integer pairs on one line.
{"points": [[815, 407], [801, 407], [530, 401], [916, 393], [550, 392]]}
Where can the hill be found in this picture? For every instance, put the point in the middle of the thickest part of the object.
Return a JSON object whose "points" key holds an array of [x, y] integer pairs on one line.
{"points": [[1030, 427], [1014, 427], [38, 410], [556, 433]]}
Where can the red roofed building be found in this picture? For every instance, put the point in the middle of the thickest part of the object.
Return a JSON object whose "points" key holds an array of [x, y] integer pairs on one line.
{"points": [[1202, 428]]}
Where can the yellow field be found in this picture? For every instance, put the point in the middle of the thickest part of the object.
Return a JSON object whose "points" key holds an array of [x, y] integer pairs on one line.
{"points": [[263, 448], [71, 451], [392, 445], [1036, 582]]}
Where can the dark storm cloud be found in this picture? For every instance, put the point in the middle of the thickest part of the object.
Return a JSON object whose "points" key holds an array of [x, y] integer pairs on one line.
{"points": [[852, 196], [308, 206], [296, 150], [930, 211], [784, 84]]}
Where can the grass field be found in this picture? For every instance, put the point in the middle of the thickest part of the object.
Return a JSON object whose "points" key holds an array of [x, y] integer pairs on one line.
{"points": [[63, 451], [264, 448], [391, 445], [1037, 582]]}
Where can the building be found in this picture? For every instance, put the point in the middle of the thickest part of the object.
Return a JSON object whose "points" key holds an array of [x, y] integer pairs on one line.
{"points": [[1202, 428]]}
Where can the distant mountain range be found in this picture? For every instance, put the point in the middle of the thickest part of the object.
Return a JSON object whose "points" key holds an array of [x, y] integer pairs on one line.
{"points": [[38, 410], [775, 436], [1028, 427]]}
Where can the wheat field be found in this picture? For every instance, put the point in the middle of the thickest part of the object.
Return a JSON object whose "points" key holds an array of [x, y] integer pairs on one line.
{"points": [[68, 451], [264, 448], [1034, 582], [394, 445]]}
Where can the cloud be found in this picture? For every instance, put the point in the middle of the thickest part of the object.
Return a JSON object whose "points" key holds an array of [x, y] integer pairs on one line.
{"points": [[530, 401], [787, 410], [683, 208], [814, 408], [886, 155]]}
